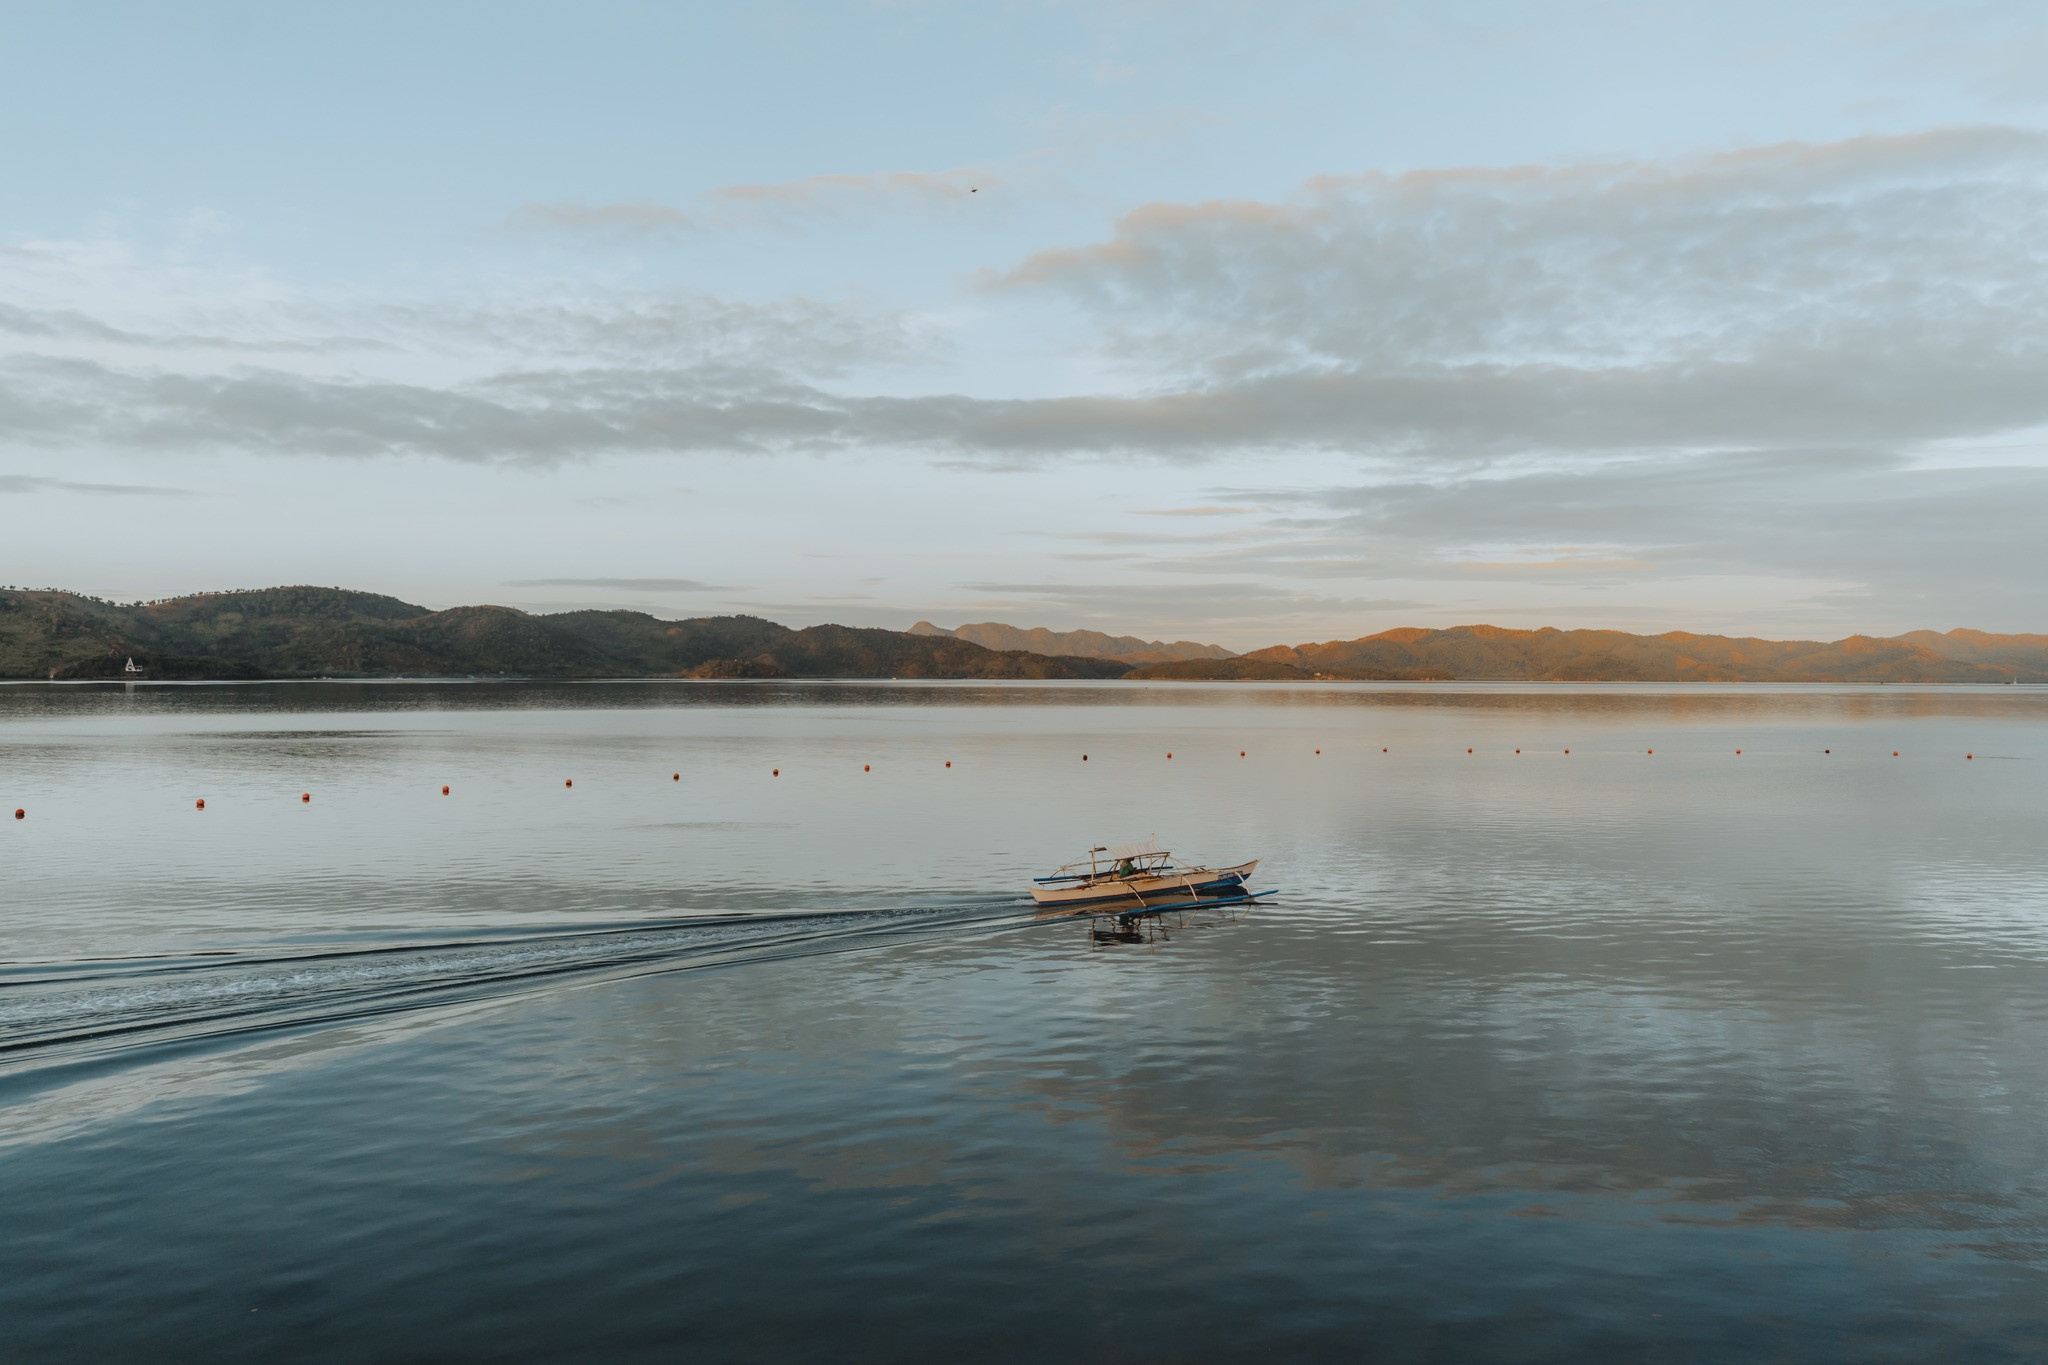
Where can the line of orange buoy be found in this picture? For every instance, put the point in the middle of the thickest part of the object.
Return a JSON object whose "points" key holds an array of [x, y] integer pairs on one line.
{"points": [[306, 798]]}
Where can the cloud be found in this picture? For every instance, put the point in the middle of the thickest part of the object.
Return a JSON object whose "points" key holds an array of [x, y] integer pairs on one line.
{"points": [[59, 325], [539, 416], [786, 203], [1876, 293], [1861, 534], [1883, 287], [548, 416], [28, 483], [626, 584], [65, 327], [131, 312]]}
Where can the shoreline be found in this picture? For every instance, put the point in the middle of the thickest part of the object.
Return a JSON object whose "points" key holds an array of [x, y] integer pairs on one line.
{"points": [[442, 680]]}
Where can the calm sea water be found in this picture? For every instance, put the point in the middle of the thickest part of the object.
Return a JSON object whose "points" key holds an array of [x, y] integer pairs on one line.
{"points": [[1614, 1054]]}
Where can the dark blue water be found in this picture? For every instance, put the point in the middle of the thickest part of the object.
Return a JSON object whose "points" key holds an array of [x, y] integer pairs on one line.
{"points": [[1675, 1055]]}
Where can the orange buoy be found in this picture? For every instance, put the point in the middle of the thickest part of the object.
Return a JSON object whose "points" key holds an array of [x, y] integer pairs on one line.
{"points": [[1965, 756], [1895, 753], [1827, 751], [864, 767], [949, 762], [675, 777], [1649, 751], [20, 814], [1468, 751], [568, 781], [1518, 751], [1738, 751], [444, 791], [1084, 758], [775, 772], [305, 798], [1169, 753], [1240, 753], [1319, 751], [201, 804], [1567, 750], [1383, 750]]}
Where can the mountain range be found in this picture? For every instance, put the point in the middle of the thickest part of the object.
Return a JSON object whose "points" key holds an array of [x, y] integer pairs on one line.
{"points": [[1089, 644], [1548, 655], [303, 632]]}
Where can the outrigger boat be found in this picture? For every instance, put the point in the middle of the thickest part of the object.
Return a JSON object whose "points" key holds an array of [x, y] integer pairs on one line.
{"points": [[1127, 879]]}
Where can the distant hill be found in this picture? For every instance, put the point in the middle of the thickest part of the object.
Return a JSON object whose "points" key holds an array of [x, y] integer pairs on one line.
{"points": [[2021, 652], [304, 632], [1088, 644], [1496, 653]]}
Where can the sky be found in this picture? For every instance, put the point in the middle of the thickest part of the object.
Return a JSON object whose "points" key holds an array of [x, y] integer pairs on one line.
{"points": [[1242, 323]]}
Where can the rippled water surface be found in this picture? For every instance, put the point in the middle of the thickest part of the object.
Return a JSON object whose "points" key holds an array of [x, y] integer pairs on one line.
{"points": [[709, 1021]]}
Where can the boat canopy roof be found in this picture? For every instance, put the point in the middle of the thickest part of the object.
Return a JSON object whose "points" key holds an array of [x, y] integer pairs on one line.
{"points": [[1140, 850]]}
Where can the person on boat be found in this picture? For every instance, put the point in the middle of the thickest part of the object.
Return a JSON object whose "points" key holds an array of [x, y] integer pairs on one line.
{"points": [[1124, 868]]}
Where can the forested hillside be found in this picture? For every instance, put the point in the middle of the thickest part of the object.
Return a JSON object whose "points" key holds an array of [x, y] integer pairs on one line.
{"points": [[305, 632]]}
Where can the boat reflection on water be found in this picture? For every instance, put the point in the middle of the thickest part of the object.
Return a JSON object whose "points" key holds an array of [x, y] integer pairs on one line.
{"points": [[1130, 893]]}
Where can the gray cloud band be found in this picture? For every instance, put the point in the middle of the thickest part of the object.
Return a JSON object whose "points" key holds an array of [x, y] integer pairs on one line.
{"points": [[1446, 414], [31, 483]]}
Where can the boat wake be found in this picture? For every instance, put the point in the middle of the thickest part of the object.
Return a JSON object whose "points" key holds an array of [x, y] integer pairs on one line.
{"points": [[63, 1013]]}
